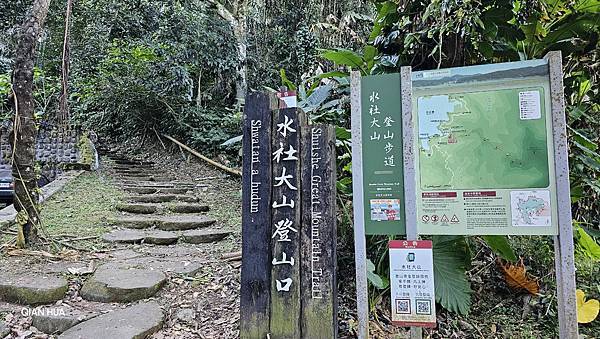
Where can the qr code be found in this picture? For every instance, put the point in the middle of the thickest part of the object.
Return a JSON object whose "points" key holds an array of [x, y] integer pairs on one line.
{"points": [[403, 306], [423, 306]]}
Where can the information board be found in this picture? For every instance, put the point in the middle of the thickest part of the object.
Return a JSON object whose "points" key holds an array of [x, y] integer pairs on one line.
{"points": [[485, 156], [411, 283], [382, 158]]}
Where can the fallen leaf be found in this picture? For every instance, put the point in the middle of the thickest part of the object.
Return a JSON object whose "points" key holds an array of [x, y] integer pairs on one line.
{"points": [[587, 311], [517, 278]]}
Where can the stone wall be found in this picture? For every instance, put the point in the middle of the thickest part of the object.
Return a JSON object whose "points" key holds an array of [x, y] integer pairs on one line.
{"points": [[56, 149]]}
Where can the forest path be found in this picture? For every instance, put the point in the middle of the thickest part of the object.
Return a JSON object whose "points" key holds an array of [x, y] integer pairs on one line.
{"points": [[160, 253]]}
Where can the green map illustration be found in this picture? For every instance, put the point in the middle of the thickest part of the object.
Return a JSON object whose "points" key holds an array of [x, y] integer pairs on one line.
{"points": [[481, 140]]}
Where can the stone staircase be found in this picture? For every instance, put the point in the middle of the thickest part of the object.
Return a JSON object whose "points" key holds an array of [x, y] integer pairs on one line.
{"points": [[156, 212]]}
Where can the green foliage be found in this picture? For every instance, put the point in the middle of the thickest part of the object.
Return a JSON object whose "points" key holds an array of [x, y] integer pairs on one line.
{"points": [[500, 245], [208, 128], [451, 258], [587, 245], [376, 280], [456, 33]]}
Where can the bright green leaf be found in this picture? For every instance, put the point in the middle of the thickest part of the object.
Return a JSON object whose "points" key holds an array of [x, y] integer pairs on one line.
{"points": [[588, 244], [500, 245], [452, 290], [373, 277]]}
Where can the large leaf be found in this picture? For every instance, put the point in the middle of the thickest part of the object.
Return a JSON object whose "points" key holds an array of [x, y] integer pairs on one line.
{"points": [[232, 141], [285, 81], [374, 278], [588, 244], [587, 311], [345, 57], [342, 133], [317, 97], [517, 278], [500, 245], [452, 290]]}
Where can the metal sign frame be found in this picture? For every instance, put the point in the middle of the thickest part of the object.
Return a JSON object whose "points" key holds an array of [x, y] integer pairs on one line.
{"points": [[563, 242]]}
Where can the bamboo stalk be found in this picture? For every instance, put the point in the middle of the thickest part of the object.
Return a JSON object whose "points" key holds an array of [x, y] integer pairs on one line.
{"points": [[194, 152]]}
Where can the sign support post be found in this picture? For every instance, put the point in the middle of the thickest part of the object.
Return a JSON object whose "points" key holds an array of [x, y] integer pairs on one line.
{"points": [[563, 242], [360, 241], [410, 204]]}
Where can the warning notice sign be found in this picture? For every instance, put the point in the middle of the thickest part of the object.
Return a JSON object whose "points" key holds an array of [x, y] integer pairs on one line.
{"points": [[411, 283]]}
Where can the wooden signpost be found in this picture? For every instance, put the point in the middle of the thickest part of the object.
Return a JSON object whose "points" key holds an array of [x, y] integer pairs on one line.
{"points": [[319, 313], [255, 289], [288, 281]]}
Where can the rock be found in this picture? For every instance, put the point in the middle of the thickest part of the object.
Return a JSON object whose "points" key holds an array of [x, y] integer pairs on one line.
{"points": [[161, 238], [141, 190], [158, 190], [134, 322], [152, 198], [183, 222], [57, 320], [186, 315], [32, 289], [136, 222], [4, 330], [131, 163], [184, 265], [137, 208], [187, 208], [131, 177], [125, 236], [203, 236], [187, 198], [117, 284]]}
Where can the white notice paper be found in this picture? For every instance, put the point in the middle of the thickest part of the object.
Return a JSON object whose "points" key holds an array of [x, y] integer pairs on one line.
{"points": [[529, 105], [411, 283]]}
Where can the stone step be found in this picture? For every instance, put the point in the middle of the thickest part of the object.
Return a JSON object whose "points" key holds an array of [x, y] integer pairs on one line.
{"points": [[161, 237], [51, 321], [157, 198], [133, 221], [122, 284], [4, 330], [133, 236], [132, 167], [157, 190], [128, 236], [150, 208], [135, 177], [134, 322], [130, 162], [172, 222], [184, 222], [137, 208], [171, 264], [187, 208], [31, 289], [157, 184], [203, 236]]}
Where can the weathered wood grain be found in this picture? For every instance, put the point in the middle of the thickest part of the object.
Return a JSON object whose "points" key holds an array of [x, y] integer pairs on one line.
{"points": [[256, 218], [285, 305], [319, 235]]}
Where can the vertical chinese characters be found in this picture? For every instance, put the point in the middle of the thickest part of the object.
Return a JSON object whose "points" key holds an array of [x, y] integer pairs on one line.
{"points": [[284, 229]]}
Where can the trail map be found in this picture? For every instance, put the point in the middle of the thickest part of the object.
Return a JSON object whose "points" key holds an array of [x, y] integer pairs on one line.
{"points": [[483, 139]]}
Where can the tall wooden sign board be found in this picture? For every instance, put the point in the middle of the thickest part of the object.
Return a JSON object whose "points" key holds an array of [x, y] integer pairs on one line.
{"points": [[288, 281]]}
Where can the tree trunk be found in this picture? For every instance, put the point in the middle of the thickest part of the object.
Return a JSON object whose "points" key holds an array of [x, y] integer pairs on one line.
{"points": [[199, 93], [64, 95], [237, 20], [24, 132], [241, 71]]}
